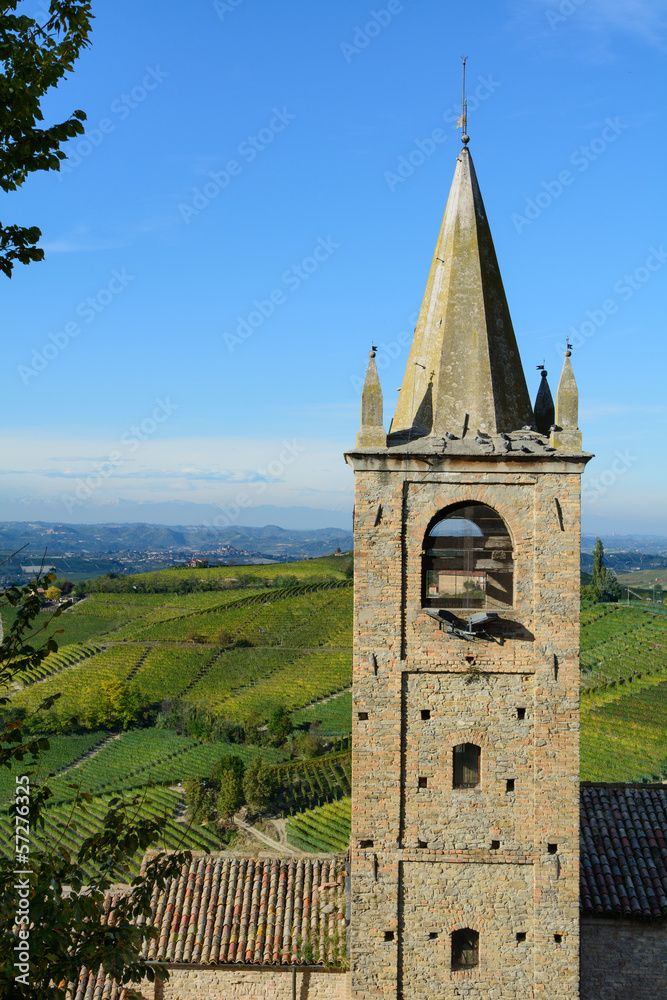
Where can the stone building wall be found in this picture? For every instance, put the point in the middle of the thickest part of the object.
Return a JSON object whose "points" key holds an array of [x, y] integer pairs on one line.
{"points": [[623, 960], [420, 855], [225, 983]]}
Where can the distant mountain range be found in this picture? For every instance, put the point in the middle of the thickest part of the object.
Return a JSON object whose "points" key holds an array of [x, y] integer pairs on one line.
{"points": [[647, 544], [625, 562]]}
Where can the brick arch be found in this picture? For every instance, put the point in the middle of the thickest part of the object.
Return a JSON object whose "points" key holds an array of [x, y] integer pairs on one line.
{"points": [[516, 536], [460, 923], [476, 736], [477, 494], [469, 493]]}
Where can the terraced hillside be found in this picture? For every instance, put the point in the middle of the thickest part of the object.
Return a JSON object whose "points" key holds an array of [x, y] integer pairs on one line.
{"points": [[145, 764], [326, 828], [624, 694], [172, 580], [307, 783], [235, 655], [331, 716], [231, 652], [164, 803]]}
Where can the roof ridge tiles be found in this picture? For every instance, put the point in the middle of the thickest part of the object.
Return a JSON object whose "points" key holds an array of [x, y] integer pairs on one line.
{"points": [[209, 912]]}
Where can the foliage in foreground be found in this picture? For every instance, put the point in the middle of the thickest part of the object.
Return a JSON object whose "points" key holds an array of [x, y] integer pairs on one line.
{"points": [[34, 58]]}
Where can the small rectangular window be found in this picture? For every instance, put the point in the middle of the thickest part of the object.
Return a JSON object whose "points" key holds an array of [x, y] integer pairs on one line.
{"points": [[558, 938], [423, 782], [389, 935], [465, 949], [495, 845], [422, 843], [521, 936], [433, 935], [363, 844], [425, 714], [521, 713], [509, 785], [466, 765], [552, 848], [362, 716]]}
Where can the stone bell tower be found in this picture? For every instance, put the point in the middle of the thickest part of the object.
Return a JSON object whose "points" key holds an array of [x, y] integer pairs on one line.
{"points": [[465, 808]]}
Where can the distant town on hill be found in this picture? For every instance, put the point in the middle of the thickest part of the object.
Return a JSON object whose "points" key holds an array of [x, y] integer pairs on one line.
{"points": [[83, 551]]}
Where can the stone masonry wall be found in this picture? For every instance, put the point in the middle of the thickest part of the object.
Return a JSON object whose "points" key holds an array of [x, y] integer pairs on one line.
{"points": [[468, 708], [494, 899], [623, 960], [211, 983], [421, 855]]}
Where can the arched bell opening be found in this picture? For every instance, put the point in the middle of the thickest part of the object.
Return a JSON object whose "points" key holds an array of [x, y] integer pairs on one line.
{"points": [[467, 559]]}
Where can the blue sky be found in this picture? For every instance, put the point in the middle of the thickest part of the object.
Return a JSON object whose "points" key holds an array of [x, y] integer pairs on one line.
{"points": [[234, 232]]}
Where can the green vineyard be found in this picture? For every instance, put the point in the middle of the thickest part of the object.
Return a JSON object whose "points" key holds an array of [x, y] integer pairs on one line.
{"points": [[624, 694], [324, 829], [234, 658], [144, 756], [622, 646], [626, 739], [126, 761], [307, 783], [68, 656], [331, 717], [63, 752], [163, 803]]}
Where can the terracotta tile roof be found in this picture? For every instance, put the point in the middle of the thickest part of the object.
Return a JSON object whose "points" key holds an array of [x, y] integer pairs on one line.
{"points": [[623, 869], [96, 986], [224, 910], [273, 911]]}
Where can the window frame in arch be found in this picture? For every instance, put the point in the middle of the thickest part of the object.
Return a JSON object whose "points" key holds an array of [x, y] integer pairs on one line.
{"points": [[464, 946], [471, 568], [466, 765]]}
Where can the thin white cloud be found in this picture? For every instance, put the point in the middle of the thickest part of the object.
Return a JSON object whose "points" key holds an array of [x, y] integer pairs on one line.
{"points": [[588, 29], [82, 239], [227, 471]]}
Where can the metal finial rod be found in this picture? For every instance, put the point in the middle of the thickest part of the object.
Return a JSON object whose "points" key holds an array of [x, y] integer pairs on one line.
{"points": [[463, 120]]}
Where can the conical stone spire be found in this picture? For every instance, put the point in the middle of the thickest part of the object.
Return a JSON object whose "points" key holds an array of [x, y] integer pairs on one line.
{"points": [[545, 413], [567, 434], [464, 371], [371, 433]]}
